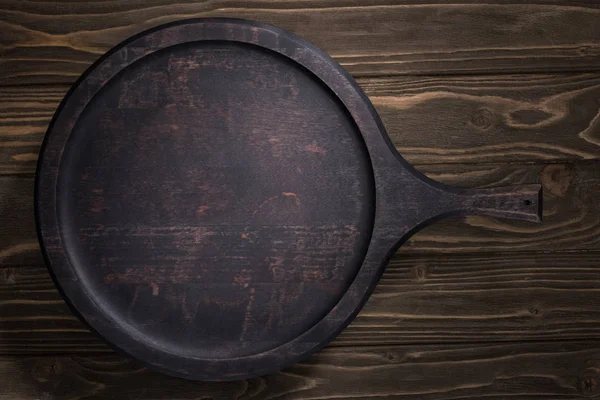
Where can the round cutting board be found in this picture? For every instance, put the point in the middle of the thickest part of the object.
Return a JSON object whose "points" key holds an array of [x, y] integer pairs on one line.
{"points": [[217, 198]]}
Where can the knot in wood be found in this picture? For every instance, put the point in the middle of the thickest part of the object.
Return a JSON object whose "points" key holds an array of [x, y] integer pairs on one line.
{"points": [[9, 276], [482, 118], [534, 310], [46, 370], [588, 386], [420, 272], [557, 178]]}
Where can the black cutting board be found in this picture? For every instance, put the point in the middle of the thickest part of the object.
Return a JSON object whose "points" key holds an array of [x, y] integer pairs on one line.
{"points": [[218, 198]]}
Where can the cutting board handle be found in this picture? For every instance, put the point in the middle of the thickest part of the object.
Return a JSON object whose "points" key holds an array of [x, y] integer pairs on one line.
{"points": [[518, 202], [522, 202]]}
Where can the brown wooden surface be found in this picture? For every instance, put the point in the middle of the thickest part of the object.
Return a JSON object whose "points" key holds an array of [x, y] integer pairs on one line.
{"points": [[541, 370], [518, 102], [52, 42]]}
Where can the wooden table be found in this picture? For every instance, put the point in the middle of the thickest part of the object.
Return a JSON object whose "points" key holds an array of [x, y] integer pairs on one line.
{"points": [[473, 95]]}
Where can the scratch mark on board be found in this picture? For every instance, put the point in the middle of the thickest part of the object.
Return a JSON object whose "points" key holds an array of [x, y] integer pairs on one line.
{"points": [[248, 315]]}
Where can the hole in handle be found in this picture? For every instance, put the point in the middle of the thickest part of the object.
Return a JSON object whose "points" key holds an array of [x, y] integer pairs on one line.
{"points": [[523, 202]]}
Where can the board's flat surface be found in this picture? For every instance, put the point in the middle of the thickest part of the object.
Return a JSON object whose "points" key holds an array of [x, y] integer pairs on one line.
{"points": [[216, 199], [453, 297]]}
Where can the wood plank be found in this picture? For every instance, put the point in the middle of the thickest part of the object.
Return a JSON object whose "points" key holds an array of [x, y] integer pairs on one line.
{"points": [[431, 120], [420, 299], [45, 42], [35, 319], [18, 237], [482, 298], [549, 370], [490, 118], [571, 220], [25, 113]]}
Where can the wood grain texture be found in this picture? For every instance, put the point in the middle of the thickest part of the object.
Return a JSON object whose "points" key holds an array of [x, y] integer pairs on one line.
{"points": [[431, 120], [482, 298], [420, 299], [548, 370], [46, 42], [571, 195], [490, 118], [18, 238], [25, 113]]}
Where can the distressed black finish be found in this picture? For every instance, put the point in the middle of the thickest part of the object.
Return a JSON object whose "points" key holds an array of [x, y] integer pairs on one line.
{"points": [[218, 198]]}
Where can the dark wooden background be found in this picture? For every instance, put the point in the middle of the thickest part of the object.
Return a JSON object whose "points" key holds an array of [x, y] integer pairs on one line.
{"points": [[474, 95]]}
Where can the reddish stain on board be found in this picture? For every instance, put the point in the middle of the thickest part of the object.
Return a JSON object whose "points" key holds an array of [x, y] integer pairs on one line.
{"points": [[97, 205], [292, 195], [242, 278], [315, 275], [202, 209], [313, 148], [155, 288]]}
